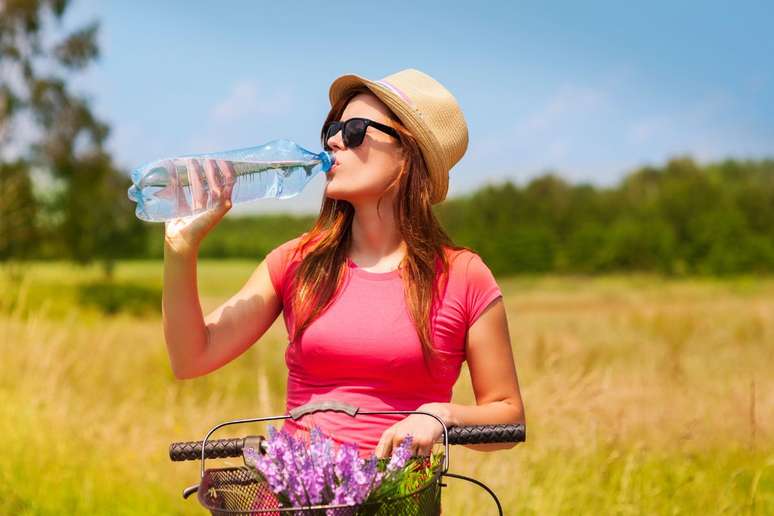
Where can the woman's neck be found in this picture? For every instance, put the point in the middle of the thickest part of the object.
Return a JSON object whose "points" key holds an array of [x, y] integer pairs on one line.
{"points": [[376, 240]]}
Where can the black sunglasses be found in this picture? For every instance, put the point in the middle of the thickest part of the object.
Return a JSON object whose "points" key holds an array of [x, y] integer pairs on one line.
{"points": [[353, 131]]}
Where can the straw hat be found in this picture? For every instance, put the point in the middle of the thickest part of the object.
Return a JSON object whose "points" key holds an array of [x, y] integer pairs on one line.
{"points": [[428, 110]]}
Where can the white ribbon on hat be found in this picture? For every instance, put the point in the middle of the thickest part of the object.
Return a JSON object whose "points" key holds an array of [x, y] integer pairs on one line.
{"points": [[397, 91]]}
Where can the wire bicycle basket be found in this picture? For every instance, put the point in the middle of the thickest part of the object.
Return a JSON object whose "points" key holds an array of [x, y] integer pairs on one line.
{"points": [[242, 490]]}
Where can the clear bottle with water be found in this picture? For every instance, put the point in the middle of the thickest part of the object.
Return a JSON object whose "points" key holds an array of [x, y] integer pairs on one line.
{"points": [[177, 187]]}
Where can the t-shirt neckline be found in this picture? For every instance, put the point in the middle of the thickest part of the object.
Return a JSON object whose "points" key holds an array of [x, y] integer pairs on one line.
{"points": [[378, 276]]}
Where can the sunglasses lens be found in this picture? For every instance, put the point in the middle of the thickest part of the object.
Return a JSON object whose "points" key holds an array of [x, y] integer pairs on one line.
{"points": [[328, 132], [354, 131]]}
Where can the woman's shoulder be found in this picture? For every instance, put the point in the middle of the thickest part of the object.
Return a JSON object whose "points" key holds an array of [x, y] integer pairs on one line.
{"points": [[462, 258], [286, 253], [284, 258], [472, 282], [289, 246], [292, 248], [467, 267]]}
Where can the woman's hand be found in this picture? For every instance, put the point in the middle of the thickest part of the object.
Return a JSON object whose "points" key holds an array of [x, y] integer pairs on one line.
{"points": [[425, 431], [183, 235]]}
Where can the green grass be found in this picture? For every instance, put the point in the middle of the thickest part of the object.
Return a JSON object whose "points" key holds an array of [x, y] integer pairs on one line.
{"points": [[643, 396]]}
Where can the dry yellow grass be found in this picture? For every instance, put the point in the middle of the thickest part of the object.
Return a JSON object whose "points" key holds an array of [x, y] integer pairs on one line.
{"points": [[643, 396]]}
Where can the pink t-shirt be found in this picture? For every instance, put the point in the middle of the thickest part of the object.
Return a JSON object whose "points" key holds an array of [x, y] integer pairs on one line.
{"points": [[364, 349]]}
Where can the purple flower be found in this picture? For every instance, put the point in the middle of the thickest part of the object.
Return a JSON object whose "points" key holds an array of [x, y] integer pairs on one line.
{"points": [[320, 450], [311, 480], [401, 455], [345, 468], [357, 477], [272, 465], [368, 478], [312, 474]]}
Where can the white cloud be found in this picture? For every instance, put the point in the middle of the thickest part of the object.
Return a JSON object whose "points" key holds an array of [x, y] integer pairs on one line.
{"points": [[246, 99], [242, 117], [569, 101], [693, 119], [546, 137], [708, 128]]}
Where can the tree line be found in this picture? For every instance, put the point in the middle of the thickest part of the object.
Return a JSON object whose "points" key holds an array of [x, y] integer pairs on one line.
{"points": [[681, 218]]}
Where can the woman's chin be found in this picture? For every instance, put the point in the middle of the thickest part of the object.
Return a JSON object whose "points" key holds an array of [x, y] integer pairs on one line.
{"points": [[334, 193]]}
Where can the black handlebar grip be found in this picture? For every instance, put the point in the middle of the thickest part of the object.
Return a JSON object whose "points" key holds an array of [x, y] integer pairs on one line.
{"points": [[222, 448], [483, 434], [215, 449]]}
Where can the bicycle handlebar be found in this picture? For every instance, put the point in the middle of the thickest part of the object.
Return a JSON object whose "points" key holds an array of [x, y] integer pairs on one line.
{"points": [[222, 448]]}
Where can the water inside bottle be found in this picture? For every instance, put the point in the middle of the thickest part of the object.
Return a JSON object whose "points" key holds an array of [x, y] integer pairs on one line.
{"points": [[167, 191]]}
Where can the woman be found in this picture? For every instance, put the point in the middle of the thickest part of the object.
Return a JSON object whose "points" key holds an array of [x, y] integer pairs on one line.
{"points": [[380, 306]]}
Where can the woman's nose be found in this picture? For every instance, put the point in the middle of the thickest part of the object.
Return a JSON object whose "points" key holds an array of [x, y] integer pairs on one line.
{"points": [[336, 141]]}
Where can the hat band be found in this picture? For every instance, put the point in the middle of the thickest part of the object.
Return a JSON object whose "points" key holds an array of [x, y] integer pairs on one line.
{"points": [[396, 91]]}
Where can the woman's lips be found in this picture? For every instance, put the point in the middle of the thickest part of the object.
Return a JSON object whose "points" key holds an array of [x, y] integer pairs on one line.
{"points": [[329, 173]]}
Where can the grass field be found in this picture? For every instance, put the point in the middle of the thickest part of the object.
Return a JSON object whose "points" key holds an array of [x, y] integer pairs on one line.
{"points": [[643, 396]]}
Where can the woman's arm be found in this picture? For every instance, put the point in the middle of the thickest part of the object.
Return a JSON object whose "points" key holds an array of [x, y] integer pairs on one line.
{"points": [[493, 375], [495, 385], [197, 344]]}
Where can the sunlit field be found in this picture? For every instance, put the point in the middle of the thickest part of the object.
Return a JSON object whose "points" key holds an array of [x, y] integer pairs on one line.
{"points": [[643, 396]]}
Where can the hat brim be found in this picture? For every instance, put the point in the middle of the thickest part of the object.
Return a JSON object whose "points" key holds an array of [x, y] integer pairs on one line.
{"points": [[411, 118]]}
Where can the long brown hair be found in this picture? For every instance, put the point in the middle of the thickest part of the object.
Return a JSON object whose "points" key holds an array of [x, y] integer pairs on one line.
{"points": [[325, 247]]}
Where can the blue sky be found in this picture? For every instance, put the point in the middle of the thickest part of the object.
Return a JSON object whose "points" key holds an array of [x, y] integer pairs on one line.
{"points": [[590, 90]]}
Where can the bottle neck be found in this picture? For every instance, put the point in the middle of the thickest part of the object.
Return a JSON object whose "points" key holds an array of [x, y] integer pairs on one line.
{"points": [[327, 160]]}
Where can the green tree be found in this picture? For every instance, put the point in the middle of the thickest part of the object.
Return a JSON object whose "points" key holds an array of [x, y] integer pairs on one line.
{"points": [[18, 210], [96, 222], [679, 218]]}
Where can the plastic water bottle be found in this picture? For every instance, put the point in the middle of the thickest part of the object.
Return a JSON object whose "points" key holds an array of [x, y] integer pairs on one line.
{"points": [[178, 187]]}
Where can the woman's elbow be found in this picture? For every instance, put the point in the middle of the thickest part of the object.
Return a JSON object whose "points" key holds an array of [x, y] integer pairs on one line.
{"points": [[183, 372]]}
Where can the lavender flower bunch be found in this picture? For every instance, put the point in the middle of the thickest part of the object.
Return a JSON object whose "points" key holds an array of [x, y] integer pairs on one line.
{"points": [[303, 476]]}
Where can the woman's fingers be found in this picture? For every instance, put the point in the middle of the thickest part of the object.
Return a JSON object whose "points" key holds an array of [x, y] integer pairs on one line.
{"points": [[189, 230], [417, 444], [384, 448], [198, 190], [177, 186], [229, 178], [396, 440], [214, 180], [424, 450], [422, 441]]}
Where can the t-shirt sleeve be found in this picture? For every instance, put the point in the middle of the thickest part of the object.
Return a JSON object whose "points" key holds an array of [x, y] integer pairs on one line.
{"points": [[481, 288], [277, 262]]}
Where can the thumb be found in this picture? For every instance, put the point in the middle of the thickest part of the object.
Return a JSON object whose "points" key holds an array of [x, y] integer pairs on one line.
{"points": [[385, 443]]}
